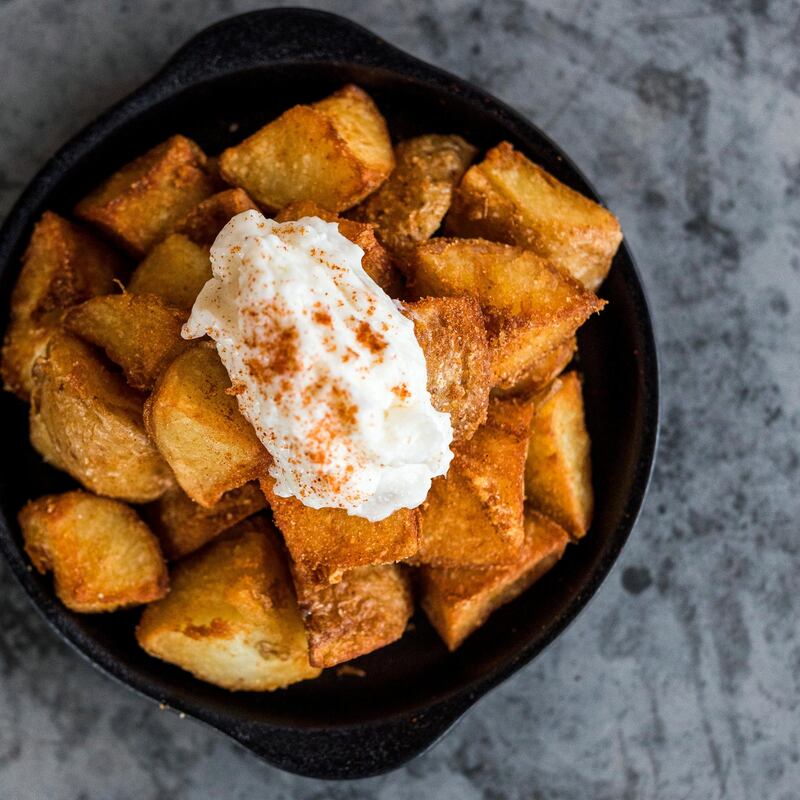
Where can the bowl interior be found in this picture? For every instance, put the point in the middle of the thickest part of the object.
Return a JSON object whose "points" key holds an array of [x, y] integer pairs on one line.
{"points": [[417, 670]]}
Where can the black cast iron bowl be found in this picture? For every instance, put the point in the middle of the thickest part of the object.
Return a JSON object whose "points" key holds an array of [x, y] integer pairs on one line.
{"points": [[226, 82]]}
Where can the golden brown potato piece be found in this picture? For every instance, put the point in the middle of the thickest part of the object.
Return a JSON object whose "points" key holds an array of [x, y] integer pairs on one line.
{"points": [[411, 204], [558, 473], [175, 270], [231, 617], [183, 526], [458, 600], [474, 515], [376, 261], [197, 426], [368, 609], [507, 198], [63, 265], [328, 541], [210, 216], [87, 421], [103, 557], [529, 305], [452, 335], [542, 372], [140, 203], [334, 152], [140, 333]]}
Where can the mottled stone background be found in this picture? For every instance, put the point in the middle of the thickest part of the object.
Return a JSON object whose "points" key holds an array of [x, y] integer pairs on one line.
{"points": [[682, 678]]}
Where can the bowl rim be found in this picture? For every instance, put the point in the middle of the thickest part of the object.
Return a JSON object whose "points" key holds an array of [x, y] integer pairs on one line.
{"points": [[181, 72]]}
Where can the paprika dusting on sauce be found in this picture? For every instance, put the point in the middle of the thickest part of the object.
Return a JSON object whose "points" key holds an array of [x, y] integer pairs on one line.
{"points": [[323, 365]]}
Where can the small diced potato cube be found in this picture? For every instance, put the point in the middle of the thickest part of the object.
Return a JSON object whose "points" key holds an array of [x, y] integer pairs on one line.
{"points": [[334, 152], [458, 600], [474, 515], [175, 270], [411, 204], [529, 305], [140, 203], [204, 222], [369, 608], [329, 541], [103, 557], [452, 335], [541, 372], [231, 617], [196, 424], [87, 421], [507, 198], [183, 526], [376, 261], [140, 333], [558, 473], [62, 266]]}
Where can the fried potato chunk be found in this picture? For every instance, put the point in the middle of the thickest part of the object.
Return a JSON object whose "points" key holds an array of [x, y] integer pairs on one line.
{"points": [[458, 600], [507, 198], [196, 424], [175, 270], [452, 336], [231, 617], [204, 222], [140, 203], [410, 206], [85, 420], [183, 526], [62, 266], [328, 541], [368, 609], [140, 333], [541, 372], [558, 473], [102, 556], [474, 515], [529, 305], [334, 152], [376, 261]]}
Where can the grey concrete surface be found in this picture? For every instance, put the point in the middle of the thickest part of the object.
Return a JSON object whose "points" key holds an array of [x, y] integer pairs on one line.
{"points": [[681, 680]]}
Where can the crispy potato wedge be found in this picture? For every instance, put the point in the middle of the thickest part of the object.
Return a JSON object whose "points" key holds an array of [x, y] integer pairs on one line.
{"points": [[410, 206], [175, 270], [183, 526], [102, 556], [210, 216], [196, 425], [558, 472], [458, 600], [376, 261], [452, 335], [231, 617], [140, 333], [529, 305], [368, 609], [328, 541], [473, 516], [507, 198], [62, 266], [334, 152], [140, 203], [85, 420], [541, 372]]}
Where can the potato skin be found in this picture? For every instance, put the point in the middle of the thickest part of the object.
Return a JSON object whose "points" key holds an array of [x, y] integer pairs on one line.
{"points": [[102, 555], [86, 421], [140, 203], [231, 617]]}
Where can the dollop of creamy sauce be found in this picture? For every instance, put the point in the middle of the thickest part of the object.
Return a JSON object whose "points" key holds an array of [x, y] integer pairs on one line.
{"points": [[324, 366]]}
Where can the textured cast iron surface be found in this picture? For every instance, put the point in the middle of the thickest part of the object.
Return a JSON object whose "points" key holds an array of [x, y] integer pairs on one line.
{"points": [[414, 690]]}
